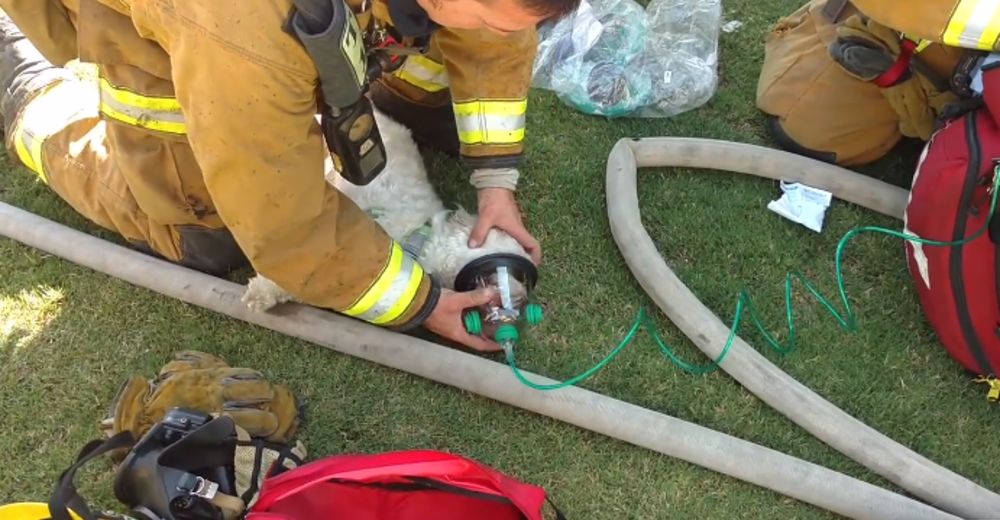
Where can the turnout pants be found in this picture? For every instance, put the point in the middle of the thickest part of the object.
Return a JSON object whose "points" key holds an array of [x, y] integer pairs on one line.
{"points": [[815, 107], [86, 160]]}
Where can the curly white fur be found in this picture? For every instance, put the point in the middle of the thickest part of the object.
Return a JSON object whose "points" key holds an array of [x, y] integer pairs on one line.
{"points": [[401, 199]]}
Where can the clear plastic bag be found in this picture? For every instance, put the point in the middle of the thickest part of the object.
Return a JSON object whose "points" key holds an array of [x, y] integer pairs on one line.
{"points": [[614, 58]]}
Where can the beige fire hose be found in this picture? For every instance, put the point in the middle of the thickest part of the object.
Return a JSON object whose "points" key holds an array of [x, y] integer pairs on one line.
{"points": [[673, 437], [900, 465]]}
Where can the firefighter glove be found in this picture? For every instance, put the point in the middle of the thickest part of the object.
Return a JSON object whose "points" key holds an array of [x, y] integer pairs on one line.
{"points": [[205, 383], [865, 49]]}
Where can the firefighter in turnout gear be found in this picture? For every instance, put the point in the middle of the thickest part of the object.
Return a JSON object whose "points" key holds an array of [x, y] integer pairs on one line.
{"points": [[844, 81], [197, 139]]}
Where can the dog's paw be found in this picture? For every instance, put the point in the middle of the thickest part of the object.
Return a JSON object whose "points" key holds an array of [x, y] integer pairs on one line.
{"points": [[262, 294]]}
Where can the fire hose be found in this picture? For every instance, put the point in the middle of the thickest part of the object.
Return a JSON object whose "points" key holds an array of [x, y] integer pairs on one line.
{"points": [[642, 427], [816, 415]]}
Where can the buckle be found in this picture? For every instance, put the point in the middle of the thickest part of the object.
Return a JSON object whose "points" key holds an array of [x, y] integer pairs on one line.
{"points": [[198, 486]]}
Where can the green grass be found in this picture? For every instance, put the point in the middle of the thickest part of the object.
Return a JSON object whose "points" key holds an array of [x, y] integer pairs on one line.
{"points": [[68, 336]]}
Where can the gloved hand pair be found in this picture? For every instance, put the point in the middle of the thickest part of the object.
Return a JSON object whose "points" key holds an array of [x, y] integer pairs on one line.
{"points": [[867, 50], [205, 383]]}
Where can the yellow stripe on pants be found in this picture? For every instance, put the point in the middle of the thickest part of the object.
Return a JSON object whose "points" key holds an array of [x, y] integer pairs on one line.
{"points": [[57, 107]]}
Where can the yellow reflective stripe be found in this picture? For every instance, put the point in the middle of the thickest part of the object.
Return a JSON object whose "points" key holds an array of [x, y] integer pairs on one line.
{"points": [[127, 97], [403, 302], [45, 115], [170, 127], [974, 25], [29, 150], [393, 291], [423, 73], [499, 108], [491, 122], [385, 278], [473, 137], [158, 113], [921, 43], [991, 32]]}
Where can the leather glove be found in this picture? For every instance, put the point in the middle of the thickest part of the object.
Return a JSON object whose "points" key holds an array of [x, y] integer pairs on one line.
{"points": [[205, 383], [866, 50], [190, 360], [918, 104]]}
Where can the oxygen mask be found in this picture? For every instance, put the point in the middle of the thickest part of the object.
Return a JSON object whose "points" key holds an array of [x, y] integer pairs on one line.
{"points": [[513, 278]]}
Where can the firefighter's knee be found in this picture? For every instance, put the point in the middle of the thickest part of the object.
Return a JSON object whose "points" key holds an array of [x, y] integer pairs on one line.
{"points": [[210, 250], [815, 108]]}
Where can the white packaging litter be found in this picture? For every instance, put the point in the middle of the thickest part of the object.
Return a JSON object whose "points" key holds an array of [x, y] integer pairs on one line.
{"points": [[803, 204]]}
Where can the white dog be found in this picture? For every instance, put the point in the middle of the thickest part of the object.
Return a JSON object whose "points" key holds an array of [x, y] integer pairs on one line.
{"points": [[402, 200]]}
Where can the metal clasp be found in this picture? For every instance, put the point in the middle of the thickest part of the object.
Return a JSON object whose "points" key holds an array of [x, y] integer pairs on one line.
{"points": [[201, 487]]}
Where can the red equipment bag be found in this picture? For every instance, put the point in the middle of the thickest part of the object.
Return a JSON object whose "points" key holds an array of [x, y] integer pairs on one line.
{"points": [[950, 201], [405, 485]]}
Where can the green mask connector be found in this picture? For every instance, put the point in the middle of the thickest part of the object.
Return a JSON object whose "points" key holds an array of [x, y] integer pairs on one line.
{"points": [[506, 333], [473, 323], [533, 313]]}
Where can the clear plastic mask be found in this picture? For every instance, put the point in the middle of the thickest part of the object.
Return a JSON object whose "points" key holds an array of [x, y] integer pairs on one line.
{"points": [[512, 279]]}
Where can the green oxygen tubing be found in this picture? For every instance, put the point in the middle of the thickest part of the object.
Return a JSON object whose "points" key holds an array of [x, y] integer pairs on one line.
{"points": [[909, 470], [945, 495], [744, 303]]}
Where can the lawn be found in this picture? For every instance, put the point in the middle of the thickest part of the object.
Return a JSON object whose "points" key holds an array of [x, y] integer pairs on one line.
{"points": [[69, 337]]}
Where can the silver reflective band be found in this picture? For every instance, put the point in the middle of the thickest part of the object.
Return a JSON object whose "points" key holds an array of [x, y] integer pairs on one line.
{"points": [[424, 73], [395, 292], [975, 24], [158, 113], [490, 129]]}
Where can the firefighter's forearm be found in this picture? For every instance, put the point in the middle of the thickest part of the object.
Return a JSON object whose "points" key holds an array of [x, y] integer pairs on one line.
{"points": [[262, 154]]}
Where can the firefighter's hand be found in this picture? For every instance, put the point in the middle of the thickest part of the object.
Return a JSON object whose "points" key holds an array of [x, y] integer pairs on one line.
{"points": [[446, 319], [498, 209]]}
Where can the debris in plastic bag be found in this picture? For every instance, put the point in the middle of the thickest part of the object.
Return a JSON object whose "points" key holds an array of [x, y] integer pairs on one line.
{"points": [[615, 59]]}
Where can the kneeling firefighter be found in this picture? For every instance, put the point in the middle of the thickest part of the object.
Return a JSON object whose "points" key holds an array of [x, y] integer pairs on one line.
{"points": [[197, 140], [845, 81]]}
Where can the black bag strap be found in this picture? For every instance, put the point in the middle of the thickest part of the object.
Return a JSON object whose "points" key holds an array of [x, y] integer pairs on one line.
{"points": [[65, 496], [434, 484]]}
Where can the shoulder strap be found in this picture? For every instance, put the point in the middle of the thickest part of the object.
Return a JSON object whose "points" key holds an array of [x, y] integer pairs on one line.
{"points": [[65, 495]]}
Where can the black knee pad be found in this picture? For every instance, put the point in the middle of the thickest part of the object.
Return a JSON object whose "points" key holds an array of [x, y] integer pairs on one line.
{"points": [[785, 142]]}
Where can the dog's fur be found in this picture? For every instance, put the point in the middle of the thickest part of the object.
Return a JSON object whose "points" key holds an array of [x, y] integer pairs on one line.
{"points": [[402, 199]]}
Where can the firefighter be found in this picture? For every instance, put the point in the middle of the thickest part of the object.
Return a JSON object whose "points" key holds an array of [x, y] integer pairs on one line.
{"points": [[844, 81], [198, 142]]}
